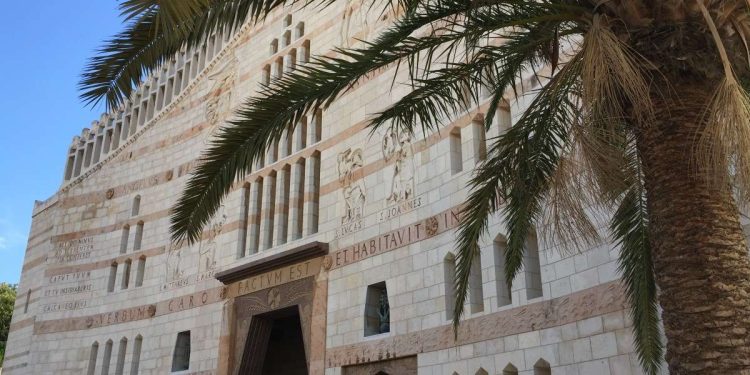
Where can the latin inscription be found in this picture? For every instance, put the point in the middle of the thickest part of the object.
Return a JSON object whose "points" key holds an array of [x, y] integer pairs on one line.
{"points": [[67, 290], [395, 239], [70, 305], [70, 277], [69, 251], [399, 209]]}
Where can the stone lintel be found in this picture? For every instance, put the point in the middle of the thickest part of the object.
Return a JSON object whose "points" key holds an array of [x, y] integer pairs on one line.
{"points": [[301, 253]]}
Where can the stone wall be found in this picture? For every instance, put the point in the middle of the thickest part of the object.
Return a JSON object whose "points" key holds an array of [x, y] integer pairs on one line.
{"points": [[387, 206]]}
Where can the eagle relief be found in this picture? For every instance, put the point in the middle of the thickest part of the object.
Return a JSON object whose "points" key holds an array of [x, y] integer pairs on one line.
{"points": [[219, 98], [398, 155]]}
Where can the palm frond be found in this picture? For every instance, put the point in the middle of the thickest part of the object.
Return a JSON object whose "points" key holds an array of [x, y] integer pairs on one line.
{"points": [[629, 226], [518, 171], [263, 119]]}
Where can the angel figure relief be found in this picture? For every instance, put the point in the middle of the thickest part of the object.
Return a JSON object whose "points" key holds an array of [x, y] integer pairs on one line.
{"points": [[207, 247]]}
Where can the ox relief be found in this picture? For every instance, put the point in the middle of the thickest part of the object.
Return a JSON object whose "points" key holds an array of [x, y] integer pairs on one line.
{"points": [[353, 191]]}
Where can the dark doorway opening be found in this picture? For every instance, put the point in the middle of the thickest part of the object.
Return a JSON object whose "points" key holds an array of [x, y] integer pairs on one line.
{"points": [[275, 345], [286, 347]]}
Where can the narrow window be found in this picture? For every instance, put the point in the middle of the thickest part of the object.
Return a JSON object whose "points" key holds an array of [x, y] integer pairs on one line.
{"points": [[288, 20], [266, 77], [449, 275], [480, 141], [510, 370], [107, 357], [256, 201], [274, 46], [89, 152], [313, 190], [92, 358], [138, 238], [304, 53], [503, 118], [503, 290], [28, 299], [269, 210], [377, 310], [79, 162], [244, 215], [287, 38], [279, 67], [456, 158], [108, 136], [181, 355], [533, 273], [135, 363], [140, 271], [300, 135], [136, 208], [121, 350], [316, 127], [69, 167], [541, 367], [299, 31], [291, 60], [126, 274], [151, 106], [476, 294], [112, 277], [98, 148], [282, 204], [299, 202], [124, 239], [481, 371]]}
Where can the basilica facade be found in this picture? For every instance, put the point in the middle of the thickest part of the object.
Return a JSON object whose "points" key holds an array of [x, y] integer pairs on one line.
{"points": [[334, 255]]}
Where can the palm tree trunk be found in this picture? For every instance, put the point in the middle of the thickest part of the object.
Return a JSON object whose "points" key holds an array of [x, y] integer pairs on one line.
{"points": [[700, 255]]}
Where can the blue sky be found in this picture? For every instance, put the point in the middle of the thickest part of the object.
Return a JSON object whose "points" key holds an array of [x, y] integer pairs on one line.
{"points": [[45, 47]]}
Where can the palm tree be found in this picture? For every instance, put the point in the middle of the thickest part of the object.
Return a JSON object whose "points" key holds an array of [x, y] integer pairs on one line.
{"points": [[641, 114]]}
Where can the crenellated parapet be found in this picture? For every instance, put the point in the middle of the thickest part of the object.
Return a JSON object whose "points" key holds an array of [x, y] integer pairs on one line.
{"points": [[157, 93]]}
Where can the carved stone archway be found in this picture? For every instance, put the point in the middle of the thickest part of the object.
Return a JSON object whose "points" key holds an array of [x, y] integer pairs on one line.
{"points": [[262, 291]]}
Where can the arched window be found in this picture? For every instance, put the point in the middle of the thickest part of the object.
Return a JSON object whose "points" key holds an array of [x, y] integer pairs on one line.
{"points": [[288, 20], [266, 77], [541, 367], [456, 155], [449, 276], [92, 358], [124, 238], [121, 350], [481, 371], [126, 274], [140, 271], [112, 277], [532, 267], [136, 362], [278, 67], [181, 354], [138, 238], [510, 370], [377, 310], [299, 30], [274, 46], [107, 357], [480, 141], [312, 178], [282, 204], [476, 292], [304, 52], [504, 295], [244, 215], [286, 39]]}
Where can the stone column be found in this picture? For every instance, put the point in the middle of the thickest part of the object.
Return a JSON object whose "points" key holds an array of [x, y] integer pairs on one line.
{"points": [[296, 192], [282, 206], [267, 212], [312, 190]]}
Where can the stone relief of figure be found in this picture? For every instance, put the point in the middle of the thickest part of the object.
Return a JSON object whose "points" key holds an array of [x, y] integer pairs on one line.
{"points": [[397, 147], [173, 262], [207, 246], [218, 104], [354, 191], [353, 20]]}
